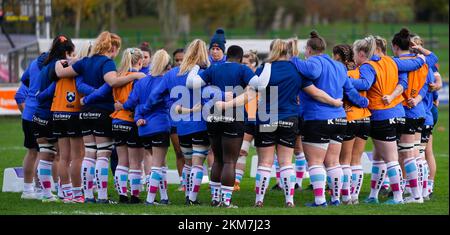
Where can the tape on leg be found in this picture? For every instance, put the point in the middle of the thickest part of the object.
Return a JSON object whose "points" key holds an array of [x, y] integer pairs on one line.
{"points": [[187, 152], [242, 160], [323, 146], [200, 151], [245, 146]]}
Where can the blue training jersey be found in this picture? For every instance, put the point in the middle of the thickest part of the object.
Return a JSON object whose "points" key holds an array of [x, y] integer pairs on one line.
{"points": [[32, 79], [288, 84], [157, 117], [331, 77], [92, 70], [174, 86]]}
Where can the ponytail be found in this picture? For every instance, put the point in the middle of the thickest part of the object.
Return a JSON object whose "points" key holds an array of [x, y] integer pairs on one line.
{"points": [[130, 58], [160, 63], [279, 49], [368, 45], [345, 53], [293, 47], [105, 42], [196, 53], [60, 46], [381, 44]]}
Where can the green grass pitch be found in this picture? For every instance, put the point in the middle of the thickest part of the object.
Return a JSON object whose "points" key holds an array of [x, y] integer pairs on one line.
{"points": [[12, 152]]}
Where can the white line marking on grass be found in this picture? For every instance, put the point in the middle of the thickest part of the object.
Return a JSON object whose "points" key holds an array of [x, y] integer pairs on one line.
{"points": [[85, 213], [12, 148]]}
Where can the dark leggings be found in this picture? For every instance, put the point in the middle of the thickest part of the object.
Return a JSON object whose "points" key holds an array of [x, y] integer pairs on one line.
{"points": [[226, 152]]}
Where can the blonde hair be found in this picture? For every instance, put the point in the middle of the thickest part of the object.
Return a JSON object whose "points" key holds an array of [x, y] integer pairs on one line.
{"points": [[130, 57], [105, 42], [84, 49], [368, 45], [416, 39], [252, 56], [292, 46], [381, 43], [278, 50], [196, 53], [160, 61]]}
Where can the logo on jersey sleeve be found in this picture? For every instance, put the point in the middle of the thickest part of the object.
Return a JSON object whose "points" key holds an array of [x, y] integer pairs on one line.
{"points": [[70, 96]]}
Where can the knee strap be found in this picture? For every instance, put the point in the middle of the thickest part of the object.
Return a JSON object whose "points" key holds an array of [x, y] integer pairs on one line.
{"points": [[90, 147], [187, 152], [105, 147], [47, 148], [199, 151], [405, 147]]}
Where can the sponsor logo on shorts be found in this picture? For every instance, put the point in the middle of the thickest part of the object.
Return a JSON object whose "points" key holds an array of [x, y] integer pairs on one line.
{"points": [[213, 118], [391, 137], [40, 121], [118, 127], [61, 117], [337, 121], [90, 115], [286, 142]]}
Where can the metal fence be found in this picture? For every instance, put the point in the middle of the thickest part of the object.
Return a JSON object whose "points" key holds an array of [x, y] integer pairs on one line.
{"points": [[17, 61]]}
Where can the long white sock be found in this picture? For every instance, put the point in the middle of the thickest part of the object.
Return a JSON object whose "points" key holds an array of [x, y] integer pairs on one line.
{"points": [[45, 176], [28, 187], [101, 175], [163, 184], [317, 176], [426, 170], [77, 192], [420, 164], [186, 174], [287, 177], [238, 176], [430, 185], [300, 168], [357, 181], [215, 191], [121, 180], [87, 175], [226, 193], [377, 177], [135, 182], [155, 178], [394, 172], [334, 178], [196, 181], [242, 160], [412, 176], [277, 169], [346, 182], [67, 191], [262, 182]]}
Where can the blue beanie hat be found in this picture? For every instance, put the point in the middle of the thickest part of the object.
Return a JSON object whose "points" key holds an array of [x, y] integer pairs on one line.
{"points": [[218, 40]]}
